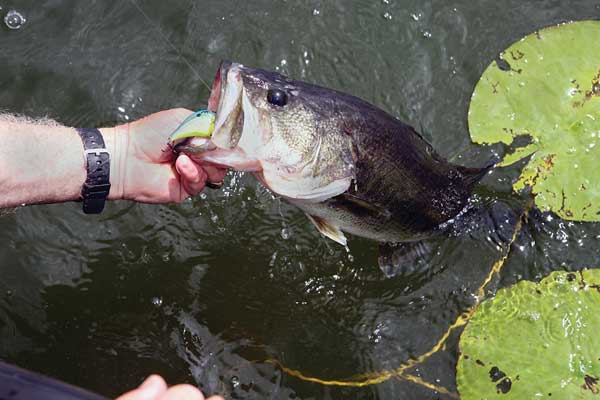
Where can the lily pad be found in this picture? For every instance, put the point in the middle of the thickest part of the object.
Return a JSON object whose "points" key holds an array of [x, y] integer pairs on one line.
{"points": [[535, 341], [544, 90]]}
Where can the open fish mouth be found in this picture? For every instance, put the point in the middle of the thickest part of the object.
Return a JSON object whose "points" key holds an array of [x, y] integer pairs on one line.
{"points": [[226, 102], [221, 147], [216, 90], [224, 115]]}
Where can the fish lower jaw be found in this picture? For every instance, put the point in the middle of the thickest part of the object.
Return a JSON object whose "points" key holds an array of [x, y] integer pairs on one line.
{"points": [[234, 159]]}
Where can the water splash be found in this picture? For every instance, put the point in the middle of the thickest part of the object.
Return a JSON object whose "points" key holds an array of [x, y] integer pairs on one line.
{"points": [[14, 20], [416, 16], [157, 301]]}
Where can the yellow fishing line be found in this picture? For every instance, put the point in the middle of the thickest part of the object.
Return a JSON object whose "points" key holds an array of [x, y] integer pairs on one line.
{"points": [[431, 386], [382, 376]]}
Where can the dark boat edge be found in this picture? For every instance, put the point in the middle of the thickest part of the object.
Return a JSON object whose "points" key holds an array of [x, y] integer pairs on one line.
{"points": [[19, 384]]}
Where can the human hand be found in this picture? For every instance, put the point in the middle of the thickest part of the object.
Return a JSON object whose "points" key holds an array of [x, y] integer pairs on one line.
{"points": [[144, 169], [155, 388]]}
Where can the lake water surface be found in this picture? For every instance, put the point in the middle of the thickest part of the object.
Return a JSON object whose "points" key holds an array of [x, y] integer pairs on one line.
{"points": [[208, 291]]}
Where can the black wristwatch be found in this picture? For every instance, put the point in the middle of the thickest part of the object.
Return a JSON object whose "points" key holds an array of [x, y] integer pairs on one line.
{"points": [[97, 184]]}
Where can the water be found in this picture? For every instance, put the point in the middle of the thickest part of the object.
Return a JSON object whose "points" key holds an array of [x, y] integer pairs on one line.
{"points": [[14, 20], [206, 291]]}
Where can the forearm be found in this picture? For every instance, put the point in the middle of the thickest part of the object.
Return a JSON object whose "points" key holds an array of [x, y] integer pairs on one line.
{"points": [[43, 162]]}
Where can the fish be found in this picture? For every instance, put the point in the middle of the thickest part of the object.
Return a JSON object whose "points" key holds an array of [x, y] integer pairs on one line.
{"points": [[350, 166]]}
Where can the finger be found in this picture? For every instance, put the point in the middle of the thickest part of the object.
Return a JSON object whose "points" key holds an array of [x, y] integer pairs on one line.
{"points": [[194, 188], [193, 177], [182, 392], [188, 170], [151, 389], [214, 174]]}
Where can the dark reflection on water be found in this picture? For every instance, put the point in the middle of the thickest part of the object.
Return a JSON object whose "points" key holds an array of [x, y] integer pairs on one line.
{"points": [[206, 291]]}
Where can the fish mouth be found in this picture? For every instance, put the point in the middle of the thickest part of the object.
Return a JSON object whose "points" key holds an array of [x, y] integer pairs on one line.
{"points": [[215, 91], [226, 102]]}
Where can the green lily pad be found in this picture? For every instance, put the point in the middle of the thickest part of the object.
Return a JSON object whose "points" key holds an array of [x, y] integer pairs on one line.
{"points": [[535, 341], [545, 90]]}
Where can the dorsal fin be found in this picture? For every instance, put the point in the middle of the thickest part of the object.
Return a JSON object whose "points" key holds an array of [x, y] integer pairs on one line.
{"points": [[473, 175]]}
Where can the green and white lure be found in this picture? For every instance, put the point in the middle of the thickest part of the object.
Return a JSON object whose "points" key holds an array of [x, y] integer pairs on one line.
{"points": [[199, 124]]}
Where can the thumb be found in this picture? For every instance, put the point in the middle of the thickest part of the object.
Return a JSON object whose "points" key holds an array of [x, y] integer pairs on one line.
{"points": [[153, 387]]}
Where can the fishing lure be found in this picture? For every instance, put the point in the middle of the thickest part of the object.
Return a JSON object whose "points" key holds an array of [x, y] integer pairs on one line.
{"points": [[199, 124]]}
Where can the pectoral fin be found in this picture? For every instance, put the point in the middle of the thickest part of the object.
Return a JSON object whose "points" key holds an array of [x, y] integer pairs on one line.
{"points": [[358, 206], [328, 229]]}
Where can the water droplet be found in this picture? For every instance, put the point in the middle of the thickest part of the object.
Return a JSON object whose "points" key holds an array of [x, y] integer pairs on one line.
{"points": [[235, 381], [416, 17], [385, 1], [376, 335], [387, 16], [285, 233], [316, 12], [157, 301], [121, 109], [426, 34], [14, 20]]}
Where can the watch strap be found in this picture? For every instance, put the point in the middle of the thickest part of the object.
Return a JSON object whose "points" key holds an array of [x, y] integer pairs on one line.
{"points": [[96, 188]]}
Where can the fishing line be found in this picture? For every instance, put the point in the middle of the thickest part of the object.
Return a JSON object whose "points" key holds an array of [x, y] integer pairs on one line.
{"points": [[375, 378], [166, 39]]}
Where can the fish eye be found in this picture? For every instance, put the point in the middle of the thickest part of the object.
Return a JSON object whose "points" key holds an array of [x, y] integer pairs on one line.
{"points": [[277, 97]]}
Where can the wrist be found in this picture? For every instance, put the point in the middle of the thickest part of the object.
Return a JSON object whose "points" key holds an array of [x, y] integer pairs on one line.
{"points": [[117, 143]]}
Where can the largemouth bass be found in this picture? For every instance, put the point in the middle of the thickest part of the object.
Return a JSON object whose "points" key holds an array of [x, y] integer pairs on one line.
{"points": [[348, 165]]}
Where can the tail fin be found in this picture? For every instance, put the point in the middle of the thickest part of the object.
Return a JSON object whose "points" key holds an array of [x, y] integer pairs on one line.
{"points": [[473, 175]]}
